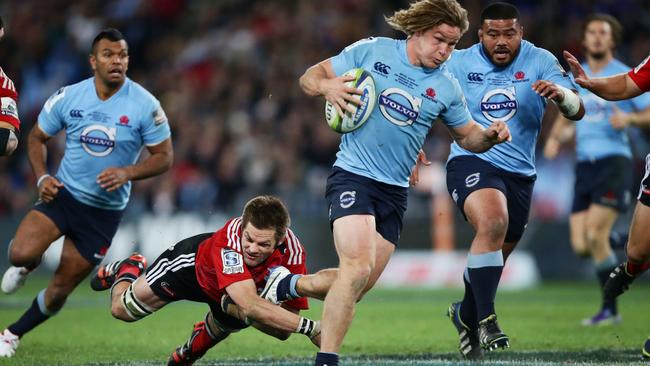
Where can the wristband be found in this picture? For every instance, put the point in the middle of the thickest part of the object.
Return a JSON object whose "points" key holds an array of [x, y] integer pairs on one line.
{"points": [[41, 178]]}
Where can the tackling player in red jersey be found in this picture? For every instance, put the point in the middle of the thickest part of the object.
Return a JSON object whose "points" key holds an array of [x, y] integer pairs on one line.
{"points": [[224, 268], [617, 87], [9, 121]]}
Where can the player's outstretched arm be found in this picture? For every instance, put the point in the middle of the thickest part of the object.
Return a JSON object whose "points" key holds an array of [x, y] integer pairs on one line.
{"points": [[254, 308], [471, 136], [615, 87], [321, 79], [160, 160]]}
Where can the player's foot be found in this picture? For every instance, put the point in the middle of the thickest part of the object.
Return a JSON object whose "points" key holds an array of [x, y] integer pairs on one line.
{"points": [[469, 346], [108, 274], [183, 355], [618, 282], [604, 317], [8, 343], [490, 335], [13, 279], [646, 349], [270, 291]]}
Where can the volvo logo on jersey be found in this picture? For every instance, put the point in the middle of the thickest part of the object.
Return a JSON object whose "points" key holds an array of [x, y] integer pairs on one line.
{"points": [[399, 107], [98, 140], [499, 104]]}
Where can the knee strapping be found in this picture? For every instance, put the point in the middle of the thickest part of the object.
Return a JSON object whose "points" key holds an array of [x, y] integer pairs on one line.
{"points": [[135, 308]]}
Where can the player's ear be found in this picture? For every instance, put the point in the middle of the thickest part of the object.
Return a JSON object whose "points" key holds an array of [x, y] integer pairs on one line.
{"points": [[92, 59], [480, 34]]}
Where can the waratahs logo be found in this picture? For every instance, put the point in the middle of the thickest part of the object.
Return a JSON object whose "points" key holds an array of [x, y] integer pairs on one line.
{"points": [[399, 107], [499, 104], [98, 140]]}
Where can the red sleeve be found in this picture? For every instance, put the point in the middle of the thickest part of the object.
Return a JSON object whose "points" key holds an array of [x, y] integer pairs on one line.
{"points": [[8, 101], [295, 260], [641, 75]]}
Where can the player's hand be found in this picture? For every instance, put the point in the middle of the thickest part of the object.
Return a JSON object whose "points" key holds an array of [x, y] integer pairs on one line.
{"points": [[49, 188], [548, 90], [415, 172], [113, 178], [579, 74], [552, 148], [619, 119], [336, 92], [498, 132]]}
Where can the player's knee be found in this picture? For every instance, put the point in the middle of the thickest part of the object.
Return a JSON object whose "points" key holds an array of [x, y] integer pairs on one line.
{"points": [[493, 228], [20, 255], [129, 308]]}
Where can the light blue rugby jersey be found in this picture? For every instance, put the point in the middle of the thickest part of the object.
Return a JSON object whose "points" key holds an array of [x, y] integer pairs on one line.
{"points": [[409, 99], [102, 134], [595, 136], [504, 93]]}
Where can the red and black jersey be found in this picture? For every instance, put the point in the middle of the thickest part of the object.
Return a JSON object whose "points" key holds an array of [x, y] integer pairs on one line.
{"points": [[641, 75], [8, 101], [219, 262]]}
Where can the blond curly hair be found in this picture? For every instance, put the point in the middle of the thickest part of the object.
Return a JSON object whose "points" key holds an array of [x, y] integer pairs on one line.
{"points": [[425, 14]]}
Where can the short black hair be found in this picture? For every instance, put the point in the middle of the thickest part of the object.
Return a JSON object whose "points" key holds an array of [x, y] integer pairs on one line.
{"points": [[111, 34], [499, 10]]}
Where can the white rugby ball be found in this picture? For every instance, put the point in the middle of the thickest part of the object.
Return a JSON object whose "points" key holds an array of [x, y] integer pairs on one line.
{"points": [[351, 121]]}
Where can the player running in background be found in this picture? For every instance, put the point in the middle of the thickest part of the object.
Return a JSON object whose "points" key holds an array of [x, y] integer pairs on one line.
{"points": [[107, 119], [504, 78], [217, 268], [9, 120], [367, 189], [618, 87], [604, 157]]}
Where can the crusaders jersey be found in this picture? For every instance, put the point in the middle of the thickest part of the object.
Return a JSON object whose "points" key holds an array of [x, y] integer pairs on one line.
{"points": [[641, 75], [219, 262], [9, 101]]}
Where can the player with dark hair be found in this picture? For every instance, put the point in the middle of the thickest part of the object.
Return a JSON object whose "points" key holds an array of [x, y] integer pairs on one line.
{"points": [[221, 269], [367, 189], [504, 78], [618, 87], [9, 120], [107, 119], [604, 157]]}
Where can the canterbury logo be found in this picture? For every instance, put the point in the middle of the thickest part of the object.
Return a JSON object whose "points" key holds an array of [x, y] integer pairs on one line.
{"points": [[475, 76], [75, 113], [382, 68]]}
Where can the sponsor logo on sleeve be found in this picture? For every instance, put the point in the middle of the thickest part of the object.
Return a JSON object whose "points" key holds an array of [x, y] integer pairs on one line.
{"points": [[9, 107], [159, 116], [472, 180], [347, 199], [232, 261]]}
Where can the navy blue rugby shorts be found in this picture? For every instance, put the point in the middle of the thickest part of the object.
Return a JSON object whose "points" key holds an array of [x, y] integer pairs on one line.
{"points": [[91, 229], [466, 174], [353, 194], [605, 181]]}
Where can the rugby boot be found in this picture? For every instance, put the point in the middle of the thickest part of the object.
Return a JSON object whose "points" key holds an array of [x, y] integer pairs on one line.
{"points": [[490, 335], [604, 317], [469, 345], [129, 268]]}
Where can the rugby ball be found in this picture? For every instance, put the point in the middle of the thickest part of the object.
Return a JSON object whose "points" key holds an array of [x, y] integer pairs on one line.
{"points": [[351, 121]]}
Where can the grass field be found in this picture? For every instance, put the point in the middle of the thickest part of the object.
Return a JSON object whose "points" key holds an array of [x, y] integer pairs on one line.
{"points": [[396, 327]]}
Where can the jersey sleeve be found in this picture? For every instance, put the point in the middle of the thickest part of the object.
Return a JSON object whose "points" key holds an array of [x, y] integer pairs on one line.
{"points": [[352, 56], [155, 127], [456, 114], [51, 120], [8, 101], [295, 260], [641, 75], [552, 70]]}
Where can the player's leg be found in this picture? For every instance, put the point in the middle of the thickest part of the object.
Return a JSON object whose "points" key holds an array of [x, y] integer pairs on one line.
{"points": [[205, 335], [486, 210], [34, 235], [72, 269], [578, 233], [598, 225], [355, 241]]}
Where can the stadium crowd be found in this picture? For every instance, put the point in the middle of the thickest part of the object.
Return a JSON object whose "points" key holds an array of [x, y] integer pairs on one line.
{"points": [[226, 73]]}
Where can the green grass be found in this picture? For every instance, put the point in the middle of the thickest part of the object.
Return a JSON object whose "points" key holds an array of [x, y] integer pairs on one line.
{"points": [[396, 327]]}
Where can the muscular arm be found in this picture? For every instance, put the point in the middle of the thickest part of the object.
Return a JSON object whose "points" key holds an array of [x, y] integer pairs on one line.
{"points": [[471, 136], [37, 151], [321, 79], [253, 307], [160, 160], [615, 87]]}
